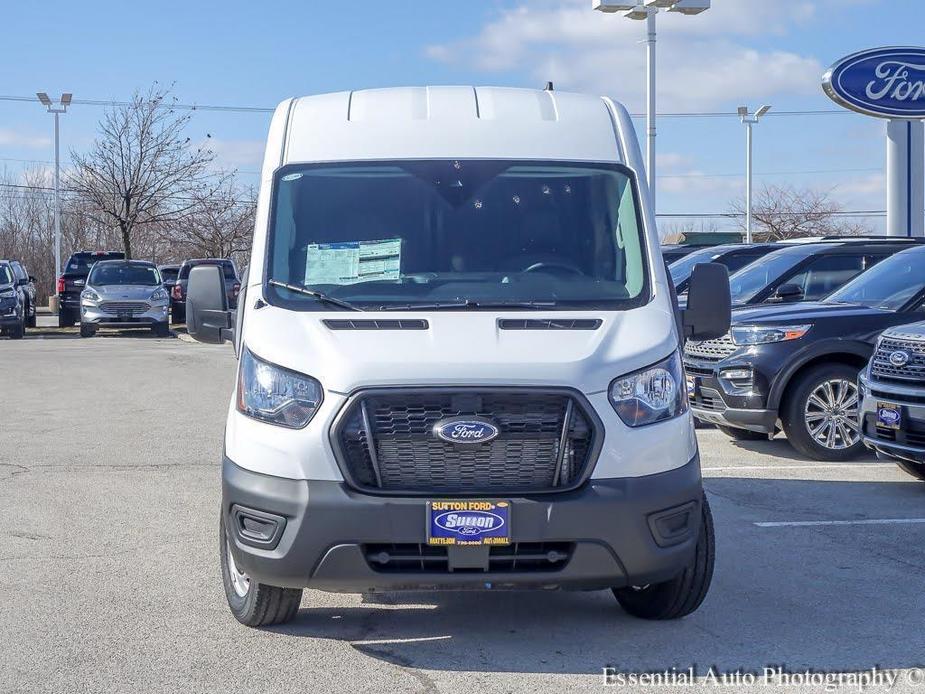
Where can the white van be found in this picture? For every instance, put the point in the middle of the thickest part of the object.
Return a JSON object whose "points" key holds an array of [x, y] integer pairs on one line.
{"points": [[458, 358]]}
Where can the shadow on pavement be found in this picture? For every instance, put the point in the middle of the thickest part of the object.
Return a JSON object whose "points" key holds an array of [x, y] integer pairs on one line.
{"points": [[833, 598]]}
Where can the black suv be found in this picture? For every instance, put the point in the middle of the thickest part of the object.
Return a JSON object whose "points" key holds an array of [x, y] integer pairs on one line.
{"points": [[72, 281], [675, 251], [12, 303], [809, 271], [178, 291], [734, 256], [26, 282], [796, 366]]}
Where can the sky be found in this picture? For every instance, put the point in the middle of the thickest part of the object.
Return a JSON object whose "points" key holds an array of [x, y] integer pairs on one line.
{"points": [[254, 54]]}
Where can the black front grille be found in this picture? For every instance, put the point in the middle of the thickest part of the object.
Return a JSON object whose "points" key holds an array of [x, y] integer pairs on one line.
{"points": [[385, 441], [708, 399], [912, 370], [912, 434], [411, 558]]}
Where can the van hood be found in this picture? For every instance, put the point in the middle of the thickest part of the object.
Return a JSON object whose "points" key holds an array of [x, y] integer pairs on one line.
{"points": [[461, 347]]}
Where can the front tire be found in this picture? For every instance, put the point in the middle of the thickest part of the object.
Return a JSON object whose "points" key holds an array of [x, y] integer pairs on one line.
{"points": [[161, 329], [254, 604], [820, 416], [742, 434], [87, 330], [917, 470], [17, 332], [683, 594]]}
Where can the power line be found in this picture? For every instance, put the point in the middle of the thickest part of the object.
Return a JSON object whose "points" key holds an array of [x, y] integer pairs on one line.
{"points": [[227, 108]]}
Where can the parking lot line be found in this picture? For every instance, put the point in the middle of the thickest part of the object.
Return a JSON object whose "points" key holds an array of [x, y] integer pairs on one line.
{"points": [[784, 466], [866, 521]]}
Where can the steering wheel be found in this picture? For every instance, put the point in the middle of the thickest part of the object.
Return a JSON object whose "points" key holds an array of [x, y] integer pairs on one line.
{"points": [[555, 266]]}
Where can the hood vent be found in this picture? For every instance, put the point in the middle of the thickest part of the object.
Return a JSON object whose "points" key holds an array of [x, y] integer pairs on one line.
{"points": [[549, 324], [372, 324]]}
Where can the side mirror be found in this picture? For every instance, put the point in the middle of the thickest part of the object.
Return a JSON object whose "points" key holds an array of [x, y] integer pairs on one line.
{"points": [[207, 316], [32, 278], [787, 293], [709, 305]]}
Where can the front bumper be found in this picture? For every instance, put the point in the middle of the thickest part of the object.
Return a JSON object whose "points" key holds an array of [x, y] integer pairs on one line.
{"points": [[327, 530], [908, 441], [719, 400], [92, 315]]}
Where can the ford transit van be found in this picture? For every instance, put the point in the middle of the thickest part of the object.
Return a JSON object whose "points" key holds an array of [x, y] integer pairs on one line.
{"points": [[459, 359]]}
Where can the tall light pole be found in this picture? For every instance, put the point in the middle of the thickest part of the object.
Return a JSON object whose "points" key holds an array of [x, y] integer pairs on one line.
{"points": [[57, 109], [749, 119], [647, 9]]}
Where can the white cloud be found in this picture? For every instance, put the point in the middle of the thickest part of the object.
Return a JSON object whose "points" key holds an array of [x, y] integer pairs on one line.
{"points": [[13, 138], [701, 63]]}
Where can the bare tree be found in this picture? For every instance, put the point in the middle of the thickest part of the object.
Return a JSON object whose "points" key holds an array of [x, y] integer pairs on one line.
{"points": [[141, 170], [220, 224], [786, 212]]}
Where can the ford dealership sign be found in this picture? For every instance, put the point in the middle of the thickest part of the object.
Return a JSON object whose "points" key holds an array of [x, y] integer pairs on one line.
{"points": [[884, 82]]}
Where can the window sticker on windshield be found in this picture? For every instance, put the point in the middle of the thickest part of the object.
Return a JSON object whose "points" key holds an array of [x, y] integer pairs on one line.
{"points": [[347, 262]]}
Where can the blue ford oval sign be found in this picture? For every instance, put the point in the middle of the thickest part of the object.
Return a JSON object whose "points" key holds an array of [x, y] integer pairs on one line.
{"points": [[469, 523], [460, 430], [884, 82]]}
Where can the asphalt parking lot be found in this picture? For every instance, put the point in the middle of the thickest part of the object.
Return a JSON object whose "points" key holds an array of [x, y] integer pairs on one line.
{"points": [[109, 491]]}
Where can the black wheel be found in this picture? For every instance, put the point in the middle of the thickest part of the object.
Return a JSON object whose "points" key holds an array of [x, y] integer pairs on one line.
{"points": [[17, 332], [178, 315], [820, 416], [917, 470], [65, 318], [742, 434], [161, 329], [87, 330], [683, 594], [254, 604]]}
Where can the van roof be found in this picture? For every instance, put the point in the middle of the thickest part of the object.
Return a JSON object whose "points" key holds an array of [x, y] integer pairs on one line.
{"points": [[452, 122]]}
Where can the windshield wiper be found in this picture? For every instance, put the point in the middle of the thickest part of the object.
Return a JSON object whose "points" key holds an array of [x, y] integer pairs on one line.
{"points": [[468, 304], [320, 296]]}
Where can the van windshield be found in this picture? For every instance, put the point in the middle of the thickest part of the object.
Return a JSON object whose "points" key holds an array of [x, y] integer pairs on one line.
{"points": [[457, 235]]}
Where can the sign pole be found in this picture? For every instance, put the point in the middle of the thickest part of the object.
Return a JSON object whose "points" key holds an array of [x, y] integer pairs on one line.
{"points": [[905, 178]]}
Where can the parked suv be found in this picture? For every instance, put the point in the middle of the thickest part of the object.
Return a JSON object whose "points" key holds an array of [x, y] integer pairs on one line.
{"points": [[893, 398], [72, 281], [809, 272], [459, 359], [168, 275], [733, 255], [178, 291], [124, 294], [27, 283], [12, 303], [796, 366]]}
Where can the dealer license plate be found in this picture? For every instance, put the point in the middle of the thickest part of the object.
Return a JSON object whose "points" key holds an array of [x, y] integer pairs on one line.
{"points": [[889, 415], [463, 522]]}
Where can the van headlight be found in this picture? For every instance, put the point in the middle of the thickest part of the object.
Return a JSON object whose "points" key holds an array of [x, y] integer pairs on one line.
{"points": [[765, 334], [276, 395], [651, 394]]}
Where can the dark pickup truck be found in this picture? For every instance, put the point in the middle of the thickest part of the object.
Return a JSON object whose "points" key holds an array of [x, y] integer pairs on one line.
{"points": [[72, 281]]}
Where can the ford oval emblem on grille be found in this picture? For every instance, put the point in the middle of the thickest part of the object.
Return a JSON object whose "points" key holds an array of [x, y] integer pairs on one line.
{"points": [[459, 430], [899, 358]]}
